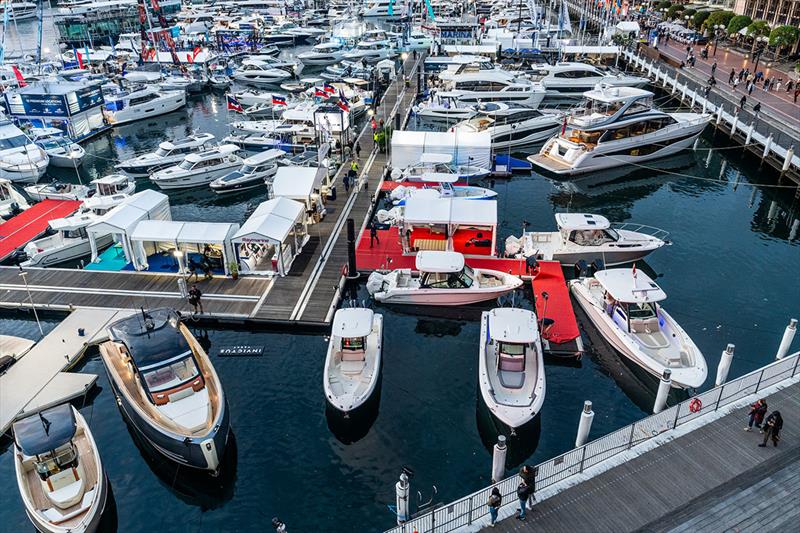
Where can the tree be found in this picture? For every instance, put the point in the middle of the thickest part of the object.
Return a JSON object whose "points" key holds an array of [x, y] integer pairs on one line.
{"points": [[664, 5], [699, 18], [783, 36], [757, 29], [719, 18], [738, 23], [672, 12]]}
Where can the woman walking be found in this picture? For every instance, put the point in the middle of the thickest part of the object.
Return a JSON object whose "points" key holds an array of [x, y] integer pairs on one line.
{"points": [[495, 501], [757, 413]]}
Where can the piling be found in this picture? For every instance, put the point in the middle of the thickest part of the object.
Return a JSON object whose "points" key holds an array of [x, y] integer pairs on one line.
{"points": [[402, 488], [663, 391], [786, 341], [719, 114], [352, 270], [749, 135], [499, 459], [788, 159], [724, 365], [767, 147], [734, 123], [585, 424]]}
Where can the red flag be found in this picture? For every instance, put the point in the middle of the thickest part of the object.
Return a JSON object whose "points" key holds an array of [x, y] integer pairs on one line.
{"points": [[196, 51], [320, 93], [634, 270], [79, 56], [343, 106], [19, 76], [190, 58]]}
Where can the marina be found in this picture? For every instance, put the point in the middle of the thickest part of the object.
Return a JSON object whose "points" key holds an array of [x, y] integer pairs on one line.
{"points": [[397, 250]]}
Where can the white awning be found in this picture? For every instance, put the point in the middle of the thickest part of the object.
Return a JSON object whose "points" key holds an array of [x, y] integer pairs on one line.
{"points": [[456, 211], [207, 232], [271, 222], [157, 231], [297, 183], [352, 322]]}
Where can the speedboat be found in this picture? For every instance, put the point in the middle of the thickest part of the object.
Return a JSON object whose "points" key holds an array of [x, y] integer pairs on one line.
{"points": [[12, 202], [110, 191], [254, 172], [167, 154], [371, 51], [588, 237], [438, 164], [443, 185], [57, 190], [619, 126], [258, 72], [417, 40], [443, 109], [511, 365], [512, 125], [218, 80], [569, 80], [323, 54], [167, 388], [62, 151], [440, 278], [623, 304], [353, 362], [60, 475], [386, 9], [199, 169], [69, 242], [21, 160], [123, 107]]}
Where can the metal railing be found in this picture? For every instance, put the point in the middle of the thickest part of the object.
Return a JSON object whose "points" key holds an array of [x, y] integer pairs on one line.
{"points": [[468, 509]]}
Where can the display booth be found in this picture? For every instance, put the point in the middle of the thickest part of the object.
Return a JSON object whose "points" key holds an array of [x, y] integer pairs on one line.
{"points": [[302, 184], [268, 241], [464, 148], [446, 224]]}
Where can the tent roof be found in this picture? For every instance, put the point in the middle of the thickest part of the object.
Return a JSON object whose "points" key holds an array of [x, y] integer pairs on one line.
{"points": [[271, 221], [147, 199], [157, 231], [207, 232], [121, 219], [296, 182], [421, 210]]}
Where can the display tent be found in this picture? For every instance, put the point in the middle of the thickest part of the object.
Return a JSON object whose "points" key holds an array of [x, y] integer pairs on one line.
{"points": [[466, 148], [453, 224], [272, 237], [301, 184]]}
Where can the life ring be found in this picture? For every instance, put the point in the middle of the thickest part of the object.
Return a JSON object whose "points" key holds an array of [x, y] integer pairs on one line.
{"points": [[695, 405]]}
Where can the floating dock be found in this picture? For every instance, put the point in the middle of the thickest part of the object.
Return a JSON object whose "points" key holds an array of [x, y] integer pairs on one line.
{"points": [[32, 223]]}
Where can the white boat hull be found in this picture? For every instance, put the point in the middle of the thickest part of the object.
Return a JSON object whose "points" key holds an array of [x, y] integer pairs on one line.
{"points": [[169, 102], [343, 392], [187, 181], [68, 251]]}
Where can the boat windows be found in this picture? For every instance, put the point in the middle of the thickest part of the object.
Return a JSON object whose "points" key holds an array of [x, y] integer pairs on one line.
{"points": [[142, 99], [576, 74], [642, 310], [585, 137], [162, 152], [78, 233], [512, 357], [171, 375], [639, 106], [353, 349], [14, 142], [63, 458], [186, 165]]}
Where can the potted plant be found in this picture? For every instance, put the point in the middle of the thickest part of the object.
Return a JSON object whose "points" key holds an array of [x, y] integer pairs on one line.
{"points": [[233, 268]]}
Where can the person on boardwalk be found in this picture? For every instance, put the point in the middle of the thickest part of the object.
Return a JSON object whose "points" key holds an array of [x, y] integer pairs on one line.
{"points": [[772, 428], [528, 474], [195, 298], [757, 108], [796, 94], [522, 496], [373, 235], [207, 275], [358, 150], [742, 102], [192, 269], [346, 182], [757, 413], [354, 168], [495, 501], [713, 69], [732, 76]]}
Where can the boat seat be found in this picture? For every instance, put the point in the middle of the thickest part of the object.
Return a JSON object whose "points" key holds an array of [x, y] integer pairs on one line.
{"points": [[438, 245], [511, 380], [353, 361], [645, 325]]}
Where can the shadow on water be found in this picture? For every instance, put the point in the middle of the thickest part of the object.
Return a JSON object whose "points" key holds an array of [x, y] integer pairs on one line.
{"points": [[521, 444], [351, 428], [108, 522]]}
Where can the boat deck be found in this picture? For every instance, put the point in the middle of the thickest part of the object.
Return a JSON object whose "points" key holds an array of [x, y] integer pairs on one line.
{"points": [[31, 223]]}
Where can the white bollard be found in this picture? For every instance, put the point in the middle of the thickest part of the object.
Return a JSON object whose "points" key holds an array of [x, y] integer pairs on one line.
{"points": [[709, 156], [675, 84], [499, 459], [724, 365], [788, 159], [767, 147], [749, 135], [402, 488], [585, 424], [694, 99], [719, 113], [786, 341], [705, 105], [734, 124], [663, 391], [683, 93]]}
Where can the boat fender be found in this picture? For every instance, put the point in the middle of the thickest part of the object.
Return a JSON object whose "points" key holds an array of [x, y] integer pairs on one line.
{"points": [[695, 405]]}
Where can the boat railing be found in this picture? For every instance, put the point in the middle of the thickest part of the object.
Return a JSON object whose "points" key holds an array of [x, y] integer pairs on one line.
{"points": [[466, 511], [652, 231]]}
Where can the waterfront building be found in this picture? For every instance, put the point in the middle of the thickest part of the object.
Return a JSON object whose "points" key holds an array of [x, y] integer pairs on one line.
{"points": [[773, 12]]}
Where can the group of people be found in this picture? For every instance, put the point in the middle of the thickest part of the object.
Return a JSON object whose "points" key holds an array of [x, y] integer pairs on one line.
{"points": [[525, 495], [770, 427]]}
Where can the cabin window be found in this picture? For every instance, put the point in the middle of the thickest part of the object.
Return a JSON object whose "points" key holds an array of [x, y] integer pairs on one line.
{"points": [[186, 165], [588, 237], [171, 375], [63, 458], [14, 142], [585, 137], [642, 310], [161, 152]]}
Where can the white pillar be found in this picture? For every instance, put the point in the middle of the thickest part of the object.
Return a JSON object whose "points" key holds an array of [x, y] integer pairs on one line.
{"points": [[694, 98], [696, 143], [499, 459], [749, 134], [719, 113], [585, 424], [734, 123], [683, 92], [402, 488], [663, 391], [705, 105], [786, 341], [788, 159], [675, 84], [724, 365], [767, 147]]}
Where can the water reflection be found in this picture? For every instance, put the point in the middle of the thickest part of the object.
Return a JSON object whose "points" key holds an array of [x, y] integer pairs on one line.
{"points": [[521, 442]]}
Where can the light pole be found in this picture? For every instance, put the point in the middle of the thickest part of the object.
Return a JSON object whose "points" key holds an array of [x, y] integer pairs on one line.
{"points": [[24, 276], [717, 32], [760, 43]]}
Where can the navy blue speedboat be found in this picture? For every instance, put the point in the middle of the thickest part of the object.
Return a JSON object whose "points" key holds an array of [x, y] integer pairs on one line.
{"points": [[167, 388]]}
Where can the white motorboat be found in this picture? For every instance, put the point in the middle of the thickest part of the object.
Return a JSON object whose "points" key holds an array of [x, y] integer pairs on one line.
{"points": [[259, 72], [249, 97], [353, 362], [417, 40], [371, 51], [21, 160], [569, 80], [511, 365], [69, 242], [18, 10], [62, 151], [219, 80], [588, 237], [110, 191], [167, 154], [56, 190], [443, 186], [434, 163], [199, 169], [444, 109], [512, 125], [323, 54], [492, 86], [386, 9], [619, 126], [12, 202], [440, 278], [60, 475], [623, 306], [123, 107], [254, 172]]}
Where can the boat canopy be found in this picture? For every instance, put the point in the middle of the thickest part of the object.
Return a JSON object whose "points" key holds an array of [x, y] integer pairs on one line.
{"points": [[453, 211], [219, 151], [516, 326], [439, 177], [151, 337], [629, 286], [71, 223], [263, 157], [46, 430], [581, 221], [440, 262], [112, 179], [350, 323], [271, 222]]}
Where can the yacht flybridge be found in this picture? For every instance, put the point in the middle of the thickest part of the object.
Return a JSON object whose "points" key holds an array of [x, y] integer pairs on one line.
{"points": [[371, 51], [588, 237], [569, 80], [261, 72], [624, 306], [512, 125], [618, 126]]}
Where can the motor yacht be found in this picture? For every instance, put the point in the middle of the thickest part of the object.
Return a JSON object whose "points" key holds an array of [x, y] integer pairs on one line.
{"points": [[60, 475], [440, 278], [57, 190], [199, 169], [17, 10], [512, 125], [588, 237], [442, 185], [353, 362], [254, 172], [623, 305], [167, 388], [62, 151], [386, 9], [371, 52], [21, 160], [511, 373], [69, 242], [438, 108], [323, 54], [261, 72], [434, 163], [124, 107], [569, 80], [619, 126], [417, 40], [110, 191], [493, 86], [12, 202], [167, 154]]}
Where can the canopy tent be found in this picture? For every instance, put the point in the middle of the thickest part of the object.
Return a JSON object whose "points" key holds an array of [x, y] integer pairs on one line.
{"points": [[460, 223], [466, 148], [302, 184], [272, 237]]}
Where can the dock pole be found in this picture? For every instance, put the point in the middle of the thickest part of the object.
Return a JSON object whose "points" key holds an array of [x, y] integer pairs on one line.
{"points": [[663, 392], [585, 424], [786, 341], [402, 489], [499, 459], [352, 270], [724, 365]]}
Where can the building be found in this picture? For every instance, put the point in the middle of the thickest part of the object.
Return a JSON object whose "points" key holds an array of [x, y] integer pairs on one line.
{"points": [[773, 12]]}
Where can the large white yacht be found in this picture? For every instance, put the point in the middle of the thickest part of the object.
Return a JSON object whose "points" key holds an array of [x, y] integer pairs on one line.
{"points": [[21, 160], [255, 172], [260, 72], [569, 80], [18, 10], [493, 86], [70, 241], [371, 51], [62, 151], [199, 169], [123, 107], [323, 54], [388, 9], [512, 125], [624, 306], [167, 154], [618, 126]]}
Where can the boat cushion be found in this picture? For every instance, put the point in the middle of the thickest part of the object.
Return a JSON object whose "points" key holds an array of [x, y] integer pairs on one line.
{"points": [[352, 367]]}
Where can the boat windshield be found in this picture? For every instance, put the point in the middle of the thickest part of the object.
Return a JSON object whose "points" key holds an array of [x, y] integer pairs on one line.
{"points": [[353, 344], [64, 457], [508, 348], [642, 310], [14, 142], [173, 374], [186, 165], [162, 152]]}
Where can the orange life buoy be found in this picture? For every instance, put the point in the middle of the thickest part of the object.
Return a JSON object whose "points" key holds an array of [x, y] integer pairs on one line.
{"points": [[695, 405]]}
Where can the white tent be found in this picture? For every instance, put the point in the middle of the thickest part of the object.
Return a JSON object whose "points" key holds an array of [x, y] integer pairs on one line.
{"points": [[450, 215], [467, 148], [153, 236], [272, 237], [299, 183]]}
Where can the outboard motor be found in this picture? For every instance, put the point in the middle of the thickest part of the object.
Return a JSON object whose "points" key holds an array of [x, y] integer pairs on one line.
{"points": [[581, 269], [18, 257], [597, 266], [531, 263]]}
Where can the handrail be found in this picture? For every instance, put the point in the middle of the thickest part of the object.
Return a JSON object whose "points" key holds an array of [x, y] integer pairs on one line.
{"points": [[652, 231]]}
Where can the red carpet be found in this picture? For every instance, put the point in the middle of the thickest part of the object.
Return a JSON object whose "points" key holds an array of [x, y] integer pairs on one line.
{"points": [[559, 307], [32, 223]]}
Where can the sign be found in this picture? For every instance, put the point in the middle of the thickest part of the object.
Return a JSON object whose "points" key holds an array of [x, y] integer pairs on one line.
{"points": [[240, 351], [38, 105]]}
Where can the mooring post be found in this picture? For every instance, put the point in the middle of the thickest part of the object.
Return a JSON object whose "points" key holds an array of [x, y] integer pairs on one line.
{"points": [[719, 114], [352, 270], [767, 147], [749, 135], [788, 159], [402, 488], [724, 365], [705, 105], [663, 392], [734, 123], [499, 459], [694, 98], [786, 341], [585, 424]]}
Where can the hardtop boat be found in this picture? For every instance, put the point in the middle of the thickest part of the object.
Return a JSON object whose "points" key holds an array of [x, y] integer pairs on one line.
{"points": [[167, 388], [439, 164], [511, 373], [493, 86], [512, 125], [123, 106], [21, 160], [57, 190], [110, 191], [199, 169], [326, 53], [167, 154], [255, 171], [569, 79], [69, 242], [260, 72], [443, 186], [353, 361], [588, 237], [371, 51], [62, 151], [623, 304], [12, 202]]}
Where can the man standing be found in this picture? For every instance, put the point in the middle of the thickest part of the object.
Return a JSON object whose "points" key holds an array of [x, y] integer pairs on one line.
{"points": [[742, 102], [522, 496], [528, 474], [194, 298], [373, 235], [772, 428]]}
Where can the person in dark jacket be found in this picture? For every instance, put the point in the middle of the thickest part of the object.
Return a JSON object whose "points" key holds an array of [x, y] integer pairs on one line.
{"points": [[195, 298], [772, 428], [495, 501], [757, 413], [522, 495], [528, 475]]}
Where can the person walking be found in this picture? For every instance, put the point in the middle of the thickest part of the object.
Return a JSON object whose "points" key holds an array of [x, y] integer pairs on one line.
{"points": [[750, 87], [207, 275], [713, 68], [742, 102], [354, 168], [772, 428], [757, 108], [192, 269], [732, 76], [346, 182], [757, 412], [195, 298], [495, 501], [528, 474], [373, 235], [522, 496], [358, 150], [789, 86], [796, 94], [766, 85]]}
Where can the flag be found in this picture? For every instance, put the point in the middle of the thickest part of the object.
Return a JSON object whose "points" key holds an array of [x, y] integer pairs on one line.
{"points": [[190, 58], [278, 100], [79, 57], [196, 52], [19, 76], [564, 125], [343, 106], [320, 93], [233, 104], [634, 270], [329, 88], [343, 98]]}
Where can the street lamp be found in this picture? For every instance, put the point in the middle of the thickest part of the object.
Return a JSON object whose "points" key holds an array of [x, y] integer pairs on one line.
{"points": [[760, 43], [717, 32]]}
